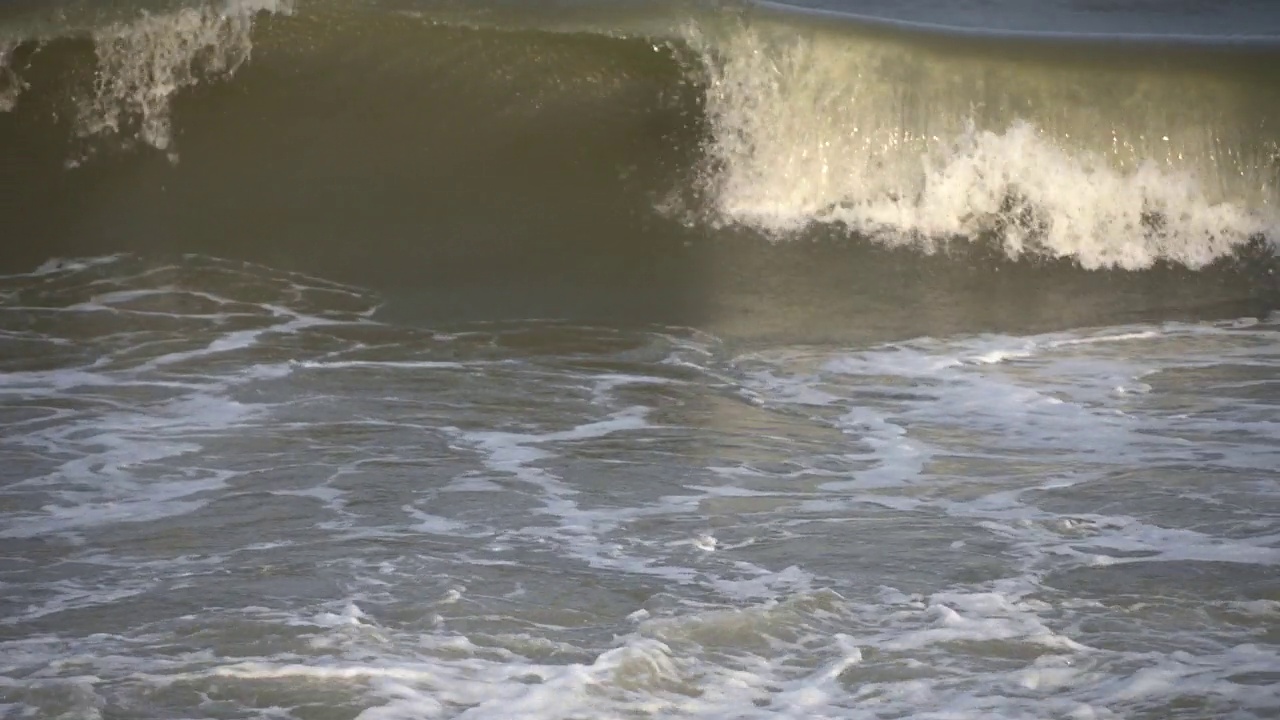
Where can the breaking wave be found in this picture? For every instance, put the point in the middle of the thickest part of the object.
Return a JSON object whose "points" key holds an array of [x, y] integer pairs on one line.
{"points": [[1116, 154]]}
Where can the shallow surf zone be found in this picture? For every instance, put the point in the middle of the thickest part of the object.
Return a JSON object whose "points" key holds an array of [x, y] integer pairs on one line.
{"points": [[233, 491], [409, 120]]}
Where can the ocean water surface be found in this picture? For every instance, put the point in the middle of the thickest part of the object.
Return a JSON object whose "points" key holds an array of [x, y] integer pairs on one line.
{"points": [[639, 359]]}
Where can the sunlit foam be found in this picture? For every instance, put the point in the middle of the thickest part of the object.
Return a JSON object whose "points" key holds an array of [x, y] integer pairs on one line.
{"points": [[916, 146]]}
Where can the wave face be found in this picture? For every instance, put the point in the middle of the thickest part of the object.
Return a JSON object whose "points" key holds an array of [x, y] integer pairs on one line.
{"points": [[228, 125]]}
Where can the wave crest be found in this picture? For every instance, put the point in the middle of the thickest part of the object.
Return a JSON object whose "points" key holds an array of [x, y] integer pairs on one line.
{"points": [[1110, 165], [143, 63]]}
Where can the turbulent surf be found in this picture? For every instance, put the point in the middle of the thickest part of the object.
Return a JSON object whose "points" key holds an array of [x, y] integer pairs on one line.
{"points": [[417, 359]]}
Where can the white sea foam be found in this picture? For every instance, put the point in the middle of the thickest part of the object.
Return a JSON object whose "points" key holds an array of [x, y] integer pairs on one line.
{"points": [[909, 146], [988, 402], [935, 528], [11, 84], [115, 454], [58, 266], [106, 483], [377, 364], [811, 655], [143, 63]]}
